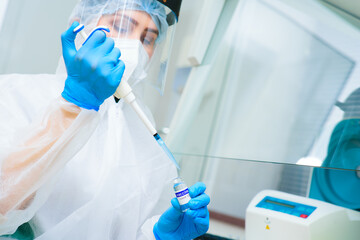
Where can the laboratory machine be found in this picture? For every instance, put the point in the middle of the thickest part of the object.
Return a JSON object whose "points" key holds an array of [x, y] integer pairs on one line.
{"points": [[273, 215]]}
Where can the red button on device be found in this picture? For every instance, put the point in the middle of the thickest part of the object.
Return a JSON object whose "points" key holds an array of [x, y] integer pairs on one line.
{"points": [[303, 216]]}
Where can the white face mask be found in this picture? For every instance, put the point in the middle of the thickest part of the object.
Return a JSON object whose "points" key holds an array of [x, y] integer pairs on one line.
{"points": [[135, 58]]}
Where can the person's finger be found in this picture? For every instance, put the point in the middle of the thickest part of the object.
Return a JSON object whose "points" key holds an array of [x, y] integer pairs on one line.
{"points": [[167, 219], [95, 39], [199, 213], [175, 204], [107, 46], [114, 56], [197, 189], [118, 72], [199, 201], [202, 224], [68, 42]]}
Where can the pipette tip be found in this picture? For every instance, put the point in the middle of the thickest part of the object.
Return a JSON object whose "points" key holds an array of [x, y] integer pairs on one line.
{"points": [[166, 150]]}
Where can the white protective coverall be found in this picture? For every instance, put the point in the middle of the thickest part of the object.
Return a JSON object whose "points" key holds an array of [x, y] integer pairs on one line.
{"points": [[76, 173]]}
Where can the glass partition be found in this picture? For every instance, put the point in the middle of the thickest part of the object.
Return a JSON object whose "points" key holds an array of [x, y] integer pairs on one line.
{"points": [[233, 183], [273, 92]]}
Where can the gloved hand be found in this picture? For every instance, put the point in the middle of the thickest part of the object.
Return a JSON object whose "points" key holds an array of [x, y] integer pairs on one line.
{"points": [[174, 224], [94, 72]]}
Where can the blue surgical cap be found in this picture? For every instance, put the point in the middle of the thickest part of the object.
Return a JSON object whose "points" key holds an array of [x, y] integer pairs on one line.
{"points": [[351, 106], [88, 10]]}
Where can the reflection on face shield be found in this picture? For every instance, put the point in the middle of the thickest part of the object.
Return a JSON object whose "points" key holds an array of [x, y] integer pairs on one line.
{"points": [[132, 25]]}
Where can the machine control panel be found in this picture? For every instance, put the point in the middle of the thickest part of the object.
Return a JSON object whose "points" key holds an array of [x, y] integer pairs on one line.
{"points": [[284, 206], [274, 215]]}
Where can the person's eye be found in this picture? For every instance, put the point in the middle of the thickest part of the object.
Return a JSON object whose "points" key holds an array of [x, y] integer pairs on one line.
{"points": [[123, 26], [149, 41], [121, 29]]}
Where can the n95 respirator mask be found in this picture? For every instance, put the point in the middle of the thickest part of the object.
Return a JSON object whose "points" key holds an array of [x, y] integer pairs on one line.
{"points": [[135, 59]]}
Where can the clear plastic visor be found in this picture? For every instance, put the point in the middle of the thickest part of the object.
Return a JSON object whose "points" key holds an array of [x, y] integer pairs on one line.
{"points": [[142, 30]]}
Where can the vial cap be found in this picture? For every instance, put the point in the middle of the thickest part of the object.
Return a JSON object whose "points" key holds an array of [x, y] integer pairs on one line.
{"points": [[177, 180]]}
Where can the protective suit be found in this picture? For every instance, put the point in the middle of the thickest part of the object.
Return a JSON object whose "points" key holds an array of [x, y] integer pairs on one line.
{"points": [[73, 172], [106, 168]]}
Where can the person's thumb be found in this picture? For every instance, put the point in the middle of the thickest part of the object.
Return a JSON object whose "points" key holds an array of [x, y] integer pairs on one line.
{"points": [[169, 220], [68, 42]]}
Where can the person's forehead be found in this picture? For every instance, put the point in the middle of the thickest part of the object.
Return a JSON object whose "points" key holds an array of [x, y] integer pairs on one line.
{"points": [[135, 16]]}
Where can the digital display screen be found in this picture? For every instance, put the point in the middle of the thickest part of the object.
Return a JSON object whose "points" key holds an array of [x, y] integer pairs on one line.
{"points": [[279, 204], [287, 207]]}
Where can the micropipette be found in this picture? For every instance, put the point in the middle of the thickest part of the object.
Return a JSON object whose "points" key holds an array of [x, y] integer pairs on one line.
{"points": [[124, 91]]}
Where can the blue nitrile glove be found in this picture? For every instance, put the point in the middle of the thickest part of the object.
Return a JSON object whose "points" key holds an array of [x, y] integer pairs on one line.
{"points": [[94, 71], [174, 224]]}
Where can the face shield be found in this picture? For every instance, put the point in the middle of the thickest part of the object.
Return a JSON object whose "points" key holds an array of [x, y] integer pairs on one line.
{"points": [[351, 106], [143, 30]]}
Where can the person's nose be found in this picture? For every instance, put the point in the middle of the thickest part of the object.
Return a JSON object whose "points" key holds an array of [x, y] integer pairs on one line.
{"points": [[136, 34]]}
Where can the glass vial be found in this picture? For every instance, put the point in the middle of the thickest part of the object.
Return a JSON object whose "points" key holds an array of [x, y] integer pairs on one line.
{"points": [[182, 194]]}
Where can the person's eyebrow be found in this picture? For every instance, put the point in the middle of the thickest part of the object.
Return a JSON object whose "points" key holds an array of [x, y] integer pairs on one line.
{"points": [[133, 21], [136, 23], [152, 30]]}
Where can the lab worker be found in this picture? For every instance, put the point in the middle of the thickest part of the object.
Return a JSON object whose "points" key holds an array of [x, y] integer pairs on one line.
{"points": [[330, 183], [76, 162]]}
